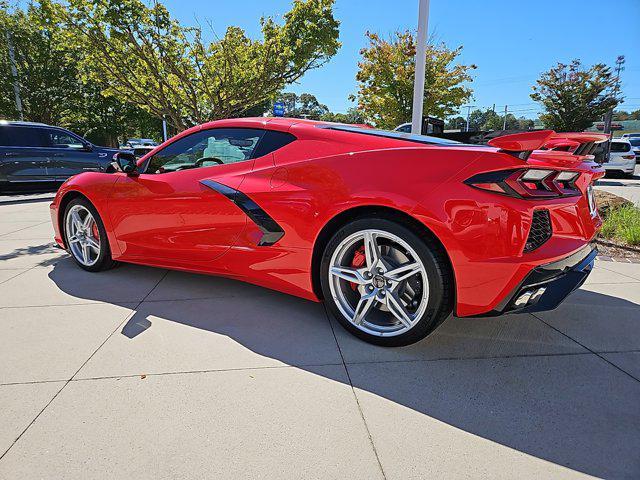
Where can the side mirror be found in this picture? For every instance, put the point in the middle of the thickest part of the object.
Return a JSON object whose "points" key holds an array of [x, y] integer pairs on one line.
{"points": [[87, 147], [127, 162]]}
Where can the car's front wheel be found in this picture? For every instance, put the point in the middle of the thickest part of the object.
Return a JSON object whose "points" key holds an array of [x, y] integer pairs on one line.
{"points": [[384, 283], [86, 237]]}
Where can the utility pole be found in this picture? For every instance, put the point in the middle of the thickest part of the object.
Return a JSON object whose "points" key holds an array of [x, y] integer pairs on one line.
{"points": [[421, 63], [468, 113], [504, 123], [14, 74], [608, 118]]}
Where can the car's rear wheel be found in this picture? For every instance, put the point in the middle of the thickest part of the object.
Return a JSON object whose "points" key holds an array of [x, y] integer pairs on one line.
{"points": [[85, 236], [384, 283]]}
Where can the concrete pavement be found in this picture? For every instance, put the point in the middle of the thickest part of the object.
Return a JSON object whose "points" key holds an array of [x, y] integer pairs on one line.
{"points": [[628, 188], [143, 373]]}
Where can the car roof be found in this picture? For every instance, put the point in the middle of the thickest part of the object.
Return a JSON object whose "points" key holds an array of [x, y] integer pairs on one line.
{"points": [[20, 123]]}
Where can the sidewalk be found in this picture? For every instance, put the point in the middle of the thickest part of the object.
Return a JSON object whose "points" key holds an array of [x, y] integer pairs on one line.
{"points": [[144, 373]]}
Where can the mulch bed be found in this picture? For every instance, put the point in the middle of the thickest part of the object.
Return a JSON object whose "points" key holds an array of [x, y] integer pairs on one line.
{"points": [[613, 252]]}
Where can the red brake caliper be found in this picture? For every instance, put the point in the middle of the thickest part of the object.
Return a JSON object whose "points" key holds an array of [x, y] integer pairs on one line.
{"points": [[94, 231], [358, 261]]}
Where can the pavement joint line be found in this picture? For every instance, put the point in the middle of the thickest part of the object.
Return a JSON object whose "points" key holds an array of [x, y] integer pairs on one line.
{"points": [[353, 391], [21, 273], [207, 298], [206, 371], [598, 354], [21, 229], [306, 365], [126, 319], [621, 274], [96, 302], [631, 281]]}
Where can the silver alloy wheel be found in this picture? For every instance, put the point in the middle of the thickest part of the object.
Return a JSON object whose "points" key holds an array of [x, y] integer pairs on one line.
{"points": [[388, 294], [82, 235]]}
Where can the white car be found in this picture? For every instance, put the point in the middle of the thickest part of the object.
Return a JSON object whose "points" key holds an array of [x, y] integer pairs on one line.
{"points": [[630, 135], [622, 158], [635, 144]]}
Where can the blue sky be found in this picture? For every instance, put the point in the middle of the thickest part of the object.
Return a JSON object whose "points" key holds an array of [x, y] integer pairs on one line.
{"points": [[511, 41]]}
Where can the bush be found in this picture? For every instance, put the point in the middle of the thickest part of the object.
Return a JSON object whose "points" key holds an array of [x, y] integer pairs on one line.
{"points": [[623, 224]]}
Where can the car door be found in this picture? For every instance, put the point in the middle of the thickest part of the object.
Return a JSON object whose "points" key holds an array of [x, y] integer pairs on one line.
{"points": [[69, 154], [169, 214], [24, 157]]}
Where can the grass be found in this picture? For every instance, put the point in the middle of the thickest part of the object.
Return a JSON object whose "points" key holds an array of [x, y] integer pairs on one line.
{"points": [[623, 224]]}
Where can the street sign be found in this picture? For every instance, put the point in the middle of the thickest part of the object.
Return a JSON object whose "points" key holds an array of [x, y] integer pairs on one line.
{"points": [[278, 109]]}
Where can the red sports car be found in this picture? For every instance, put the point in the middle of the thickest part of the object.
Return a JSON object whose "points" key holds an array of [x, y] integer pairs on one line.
{"points": [[393, 231]]}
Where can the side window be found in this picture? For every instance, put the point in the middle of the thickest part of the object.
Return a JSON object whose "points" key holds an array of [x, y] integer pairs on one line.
{"points": [[62, 139], [620, 147], [217, 146], [272, 141], [11, 136]]}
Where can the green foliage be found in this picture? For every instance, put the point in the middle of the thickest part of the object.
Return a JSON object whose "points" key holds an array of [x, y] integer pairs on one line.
{"points": [[386, 74], [139, 54], [456, 122], [50, 85], [622, 115], [491, 120], [45, 66], [623, 224], [353, 116], [573, 97], [304, 105]]}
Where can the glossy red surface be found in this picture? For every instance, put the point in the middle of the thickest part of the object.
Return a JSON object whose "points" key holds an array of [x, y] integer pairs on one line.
{"points": [[172, 220]]}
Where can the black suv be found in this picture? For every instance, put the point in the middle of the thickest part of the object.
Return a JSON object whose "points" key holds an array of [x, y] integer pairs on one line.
{"points": [[35, 153]]}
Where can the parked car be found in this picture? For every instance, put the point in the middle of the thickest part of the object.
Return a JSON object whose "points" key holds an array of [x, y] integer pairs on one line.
{"points": [[140, 142], [635, 145], [631, 135], [35, 153], [140, 151], [393, 231], [622, 159]]}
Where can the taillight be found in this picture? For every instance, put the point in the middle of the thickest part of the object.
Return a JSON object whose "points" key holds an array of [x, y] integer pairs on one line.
{"points": [[528, 183], [629, 157]]}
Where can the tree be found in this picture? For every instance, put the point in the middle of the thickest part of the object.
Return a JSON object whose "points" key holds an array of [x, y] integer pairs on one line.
{"points": [[141, 55], [455, 123], [574, 97], [385, 80], [622, 115], [51, 89], [45, 67], [305, 105], [353, 116]]}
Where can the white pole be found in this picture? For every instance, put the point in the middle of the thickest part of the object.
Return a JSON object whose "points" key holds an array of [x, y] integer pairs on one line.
{"points": [[504, 123], [164, 129], [421, 61], [468, 112], [14, 74]]}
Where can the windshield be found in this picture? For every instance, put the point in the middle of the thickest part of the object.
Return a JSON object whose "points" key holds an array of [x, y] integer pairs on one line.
{"points": [[409, 137]]}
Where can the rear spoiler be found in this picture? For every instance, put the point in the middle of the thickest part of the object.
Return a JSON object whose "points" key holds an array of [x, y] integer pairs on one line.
{"points": [[521, 145]]}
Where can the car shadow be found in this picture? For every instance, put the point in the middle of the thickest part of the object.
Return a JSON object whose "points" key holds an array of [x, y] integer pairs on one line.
{"points": [[567, 409]]}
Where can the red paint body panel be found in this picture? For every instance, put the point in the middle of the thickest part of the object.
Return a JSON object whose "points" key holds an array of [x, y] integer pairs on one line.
{"points": [[172, 220]]}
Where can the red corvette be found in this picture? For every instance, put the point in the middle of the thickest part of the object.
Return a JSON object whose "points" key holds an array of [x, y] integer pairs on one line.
{"points": [[393, 231]]}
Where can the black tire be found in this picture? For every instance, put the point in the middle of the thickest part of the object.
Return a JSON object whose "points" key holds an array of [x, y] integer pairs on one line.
{"points": [[104, 262], [435, 261]]}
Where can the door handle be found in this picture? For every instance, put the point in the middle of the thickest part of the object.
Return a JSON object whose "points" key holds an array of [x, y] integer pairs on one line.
{"points": [[11, 154], [58, 154]]}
